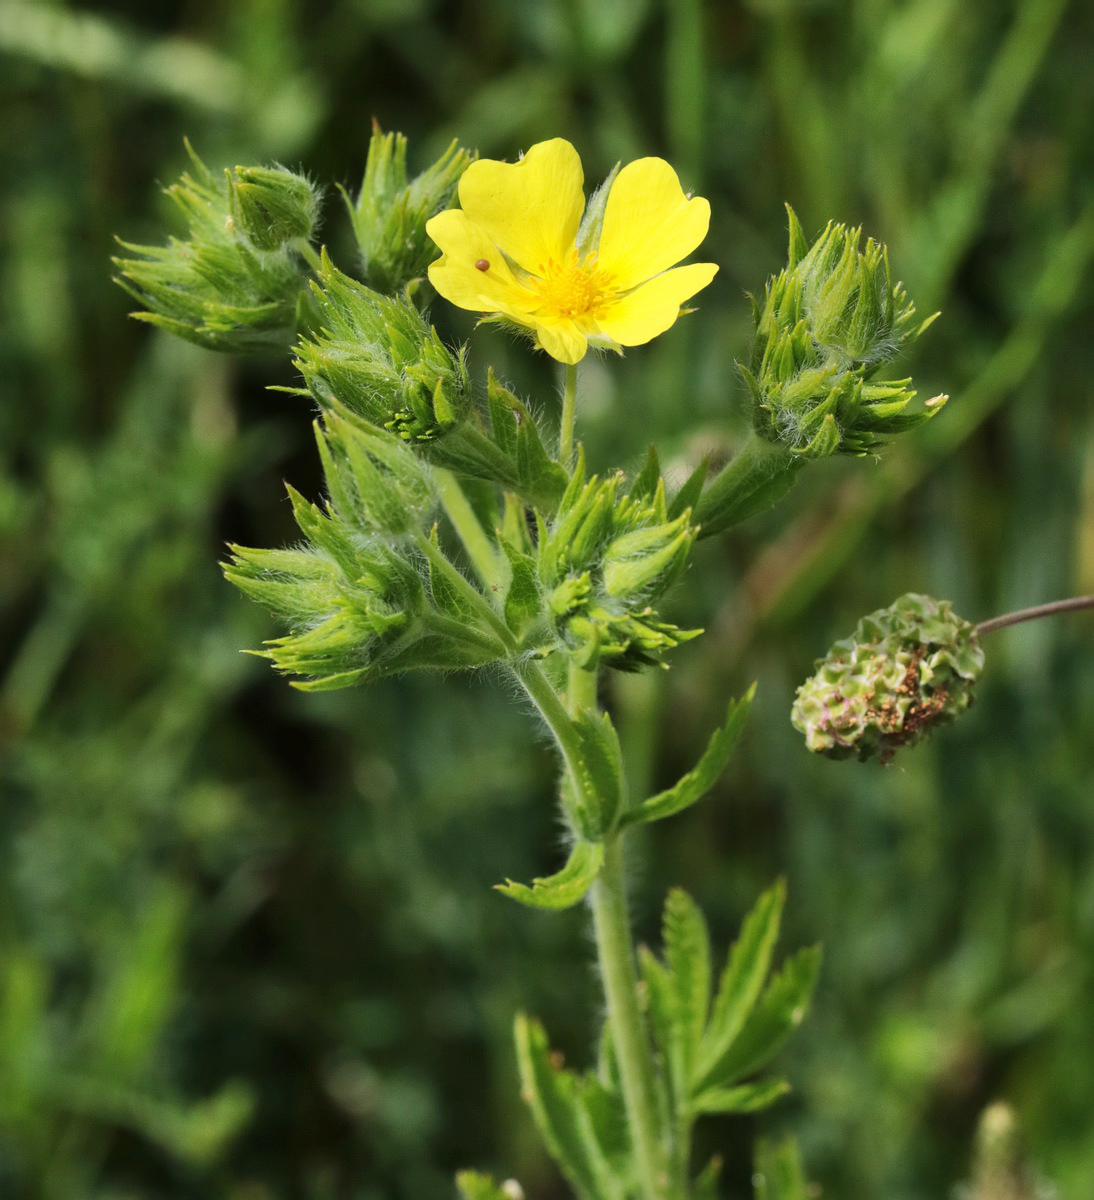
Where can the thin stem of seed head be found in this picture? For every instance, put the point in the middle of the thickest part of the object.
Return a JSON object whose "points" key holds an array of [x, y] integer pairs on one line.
{"points": [[1032, 614], [569, 409]]}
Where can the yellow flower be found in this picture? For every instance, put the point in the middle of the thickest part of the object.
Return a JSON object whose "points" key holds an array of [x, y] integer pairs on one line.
{"points": [[516, 248]]}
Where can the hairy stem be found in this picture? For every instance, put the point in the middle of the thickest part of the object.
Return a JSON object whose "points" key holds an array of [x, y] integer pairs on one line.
{"points": [[615, 951], [457, 507], [1032, 614], [569, 411]]}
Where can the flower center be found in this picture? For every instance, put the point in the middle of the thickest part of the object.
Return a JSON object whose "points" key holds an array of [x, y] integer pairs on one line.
{"points": [[573, 289]]}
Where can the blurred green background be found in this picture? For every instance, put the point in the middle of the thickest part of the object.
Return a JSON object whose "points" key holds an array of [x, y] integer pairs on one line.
{"points": [[248, 943]]}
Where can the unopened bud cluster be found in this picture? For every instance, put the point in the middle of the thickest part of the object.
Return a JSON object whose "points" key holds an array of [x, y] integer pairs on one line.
{"points": [[905, 670], [359, 599], [603, 561], [390, 214], [379, 358], [236, 281], [826, 324]]}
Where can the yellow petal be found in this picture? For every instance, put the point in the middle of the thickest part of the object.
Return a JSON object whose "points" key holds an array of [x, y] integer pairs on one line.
{"points": [[562, 340], [530, 208], [652, 308], [456, 277], [649, 223]]}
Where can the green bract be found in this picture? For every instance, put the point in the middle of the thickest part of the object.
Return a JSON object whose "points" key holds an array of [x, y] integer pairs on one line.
{"points": [[235, 283], [272, 206], [905, 669]]}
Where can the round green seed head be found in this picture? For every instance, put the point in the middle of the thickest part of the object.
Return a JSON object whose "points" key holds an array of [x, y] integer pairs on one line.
{"points": [[906, 669]]}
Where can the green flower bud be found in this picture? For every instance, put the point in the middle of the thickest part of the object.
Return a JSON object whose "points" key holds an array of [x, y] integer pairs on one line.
{"points": [[220, 288], [826, 325], [601, 561], [375, 482], [390, 214], [645, 559], [377, 357], [272, 206], [906, 669]]}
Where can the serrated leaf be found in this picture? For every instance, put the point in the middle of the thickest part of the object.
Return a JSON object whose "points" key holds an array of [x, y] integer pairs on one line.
{"points": [[748, 1097], [702, 777], [687, 959], [745, 971], [523, 602], [566, 887], [556, 1100], [781, 1010], [778, 1173]]}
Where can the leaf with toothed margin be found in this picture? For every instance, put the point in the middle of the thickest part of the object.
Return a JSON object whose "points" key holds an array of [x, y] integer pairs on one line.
{"points": [[573, 1131], [698, 781], [566, 887]]}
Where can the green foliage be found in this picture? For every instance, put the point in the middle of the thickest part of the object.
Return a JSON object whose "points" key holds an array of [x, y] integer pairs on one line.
{"points": [[710, 1045], [701, 778], [390, 214], [579, 1116], [566, 887], [235, 283], [137, 747]]}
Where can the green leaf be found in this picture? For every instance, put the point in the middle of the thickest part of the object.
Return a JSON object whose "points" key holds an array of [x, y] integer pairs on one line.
{"points": [[745, 971], [566, 887], [749, 1097], [687, 959], [780, 1011], [596, 785], [778, 1173], [556, 1098], [698, 781], [473, 1186], [523, 602]]}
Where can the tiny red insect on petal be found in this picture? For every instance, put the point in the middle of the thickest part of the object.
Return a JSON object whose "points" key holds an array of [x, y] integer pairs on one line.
{"points": [[483, 264]]}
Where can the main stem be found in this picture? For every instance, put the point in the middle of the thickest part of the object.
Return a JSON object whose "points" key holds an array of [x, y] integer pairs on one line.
{"points": [[615, 951], [569, 411]]}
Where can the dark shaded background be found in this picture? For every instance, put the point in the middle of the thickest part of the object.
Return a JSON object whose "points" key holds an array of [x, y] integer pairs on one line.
{"points": [[248, 946]]}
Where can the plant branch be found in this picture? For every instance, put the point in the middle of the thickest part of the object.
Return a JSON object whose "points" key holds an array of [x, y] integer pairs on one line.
{"points": [[457, 507], [615, 950], [1033, 614]]}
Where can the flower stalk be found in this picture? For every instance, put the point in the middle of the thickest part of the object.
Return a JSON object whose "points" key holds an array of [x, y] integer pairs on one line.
{"points": [[1052, 609]]}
